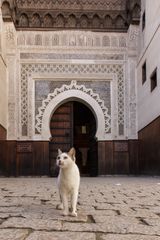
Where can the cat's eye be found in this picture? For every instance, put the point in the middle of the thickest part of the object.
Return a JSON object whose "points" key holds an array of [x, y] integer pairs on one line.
{"points": [[65, 157]]}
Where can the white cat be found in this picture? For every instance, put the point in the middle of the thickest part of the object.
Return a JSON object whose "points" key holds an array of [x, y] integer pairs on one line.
{"points": [[68, 181]]}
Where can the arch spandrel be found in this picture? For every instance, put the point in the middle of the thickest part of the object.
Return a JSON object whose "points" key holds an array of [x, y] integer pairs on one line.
{"points": [[68, 93]]}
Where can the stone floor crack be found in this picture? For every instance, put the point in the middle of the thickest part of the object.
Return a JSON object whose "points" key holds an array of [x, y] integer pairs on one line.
{"points": [[142, 220]]}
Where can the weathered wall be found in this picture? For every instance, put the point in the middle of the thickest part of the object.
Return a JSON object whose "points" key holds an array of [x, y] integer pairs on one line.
{"points": [[25, 158], [118, 157], [149, 150], [148, 102], [21, 158]]}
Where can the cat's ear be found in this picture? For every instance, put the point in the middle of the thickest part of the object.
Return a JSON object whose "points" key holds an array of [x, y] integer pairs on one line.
{"points": [[72, 153], [59, 151]]}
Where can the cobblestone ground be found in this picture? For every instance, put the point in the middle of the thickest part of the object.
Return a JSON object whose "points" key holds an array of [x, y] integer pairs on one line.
{"points": [[109, 208]]}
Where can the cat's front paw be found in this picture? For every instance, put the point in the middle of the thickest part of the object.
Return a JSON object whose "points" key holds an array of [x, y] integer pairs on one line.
{"points": [[65, 213], [73, 214], [59, 206]]}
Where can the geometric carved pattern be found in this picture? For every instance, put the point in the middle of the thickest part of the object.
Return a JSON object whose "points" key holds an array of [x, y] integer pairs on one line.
{"points": [[70, 38], [67, 4], [99, 15], [111, 56], [64, 88], [27, 69], [74, 20]]}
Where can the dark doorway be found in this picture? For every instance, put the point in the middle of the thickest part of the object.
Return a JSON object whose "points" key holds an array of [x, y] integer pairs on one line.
{"points": [[84, 139], [73, 124]]}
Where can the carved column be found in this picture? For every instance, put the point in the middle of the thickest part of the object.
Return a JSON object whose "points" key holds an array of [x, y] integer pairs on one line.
{"points": [[133, 33], [10, 39]]}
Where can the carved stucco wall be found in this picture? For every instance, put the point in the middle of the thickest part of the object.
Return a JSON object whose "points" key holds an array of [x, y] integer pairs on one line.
{"points": [[3, 80], [45, 61], [29, 72], [74, 92], [99, 15], [45, 91]]}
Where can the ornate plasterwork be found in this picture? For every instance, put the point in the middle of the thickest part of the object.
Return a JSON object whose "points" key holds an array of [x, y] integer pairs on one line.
{"points": [[133, 35], [10, 35], [11, 63], [97, 15], [75, 86], [28, 70], [71, 39], [67, 4], [68, 56]]}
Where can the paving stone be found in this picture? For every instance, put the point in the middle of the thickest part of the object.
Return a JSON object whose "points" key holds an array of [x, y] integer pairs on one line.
{"points": [[127, 212], [156, 209], [36, 224], [144, 213], [116, 220], [112, 208], [105, 213], [49, 212], [13, 234], [112, 227], [137, 212], [92, 227], [143, 229], [61, 236], [11, 209], [152, 222], [128, 237]]}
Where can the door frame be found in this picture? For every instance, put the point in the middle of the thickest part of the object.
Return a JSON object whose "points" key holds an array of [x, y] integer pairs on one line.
{"points": [[90, 168]]}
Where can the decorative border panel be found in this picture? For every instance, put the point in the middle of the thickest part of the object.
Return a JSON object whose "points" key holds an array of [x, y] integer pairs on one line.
{"points": [[72, 70], [70, 39]]}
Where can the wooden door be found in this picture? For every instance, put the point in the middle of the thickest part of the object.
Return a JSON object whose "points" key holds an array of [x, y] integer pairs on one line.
{"points": [[61, 126]]}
